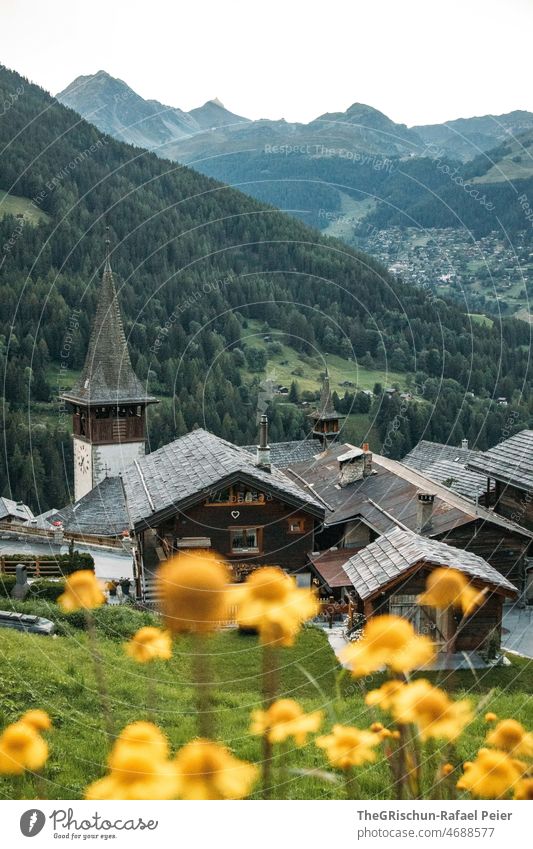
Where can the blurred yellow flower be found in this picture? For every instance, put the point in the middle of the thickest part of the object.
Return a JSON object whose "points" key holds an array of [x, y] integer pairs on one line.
{"points": [[431, 710], [347, 746], [492, 775], [490, 717], [194, 592], [136, 774], [511, 736], [82, 591], [450, 588], [38, 719], [384, 696], [149, 644], [143, 736], [447, 769], [283, 719], [206, 770], [376, 726], [388, 641], [21, 747], [271, 602], [524, 789]]}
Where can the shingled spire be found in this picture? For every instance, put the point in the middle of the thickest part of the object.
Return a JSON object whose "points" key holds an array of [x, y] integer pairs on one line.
{"points": [[325, 417], [108, 376]]}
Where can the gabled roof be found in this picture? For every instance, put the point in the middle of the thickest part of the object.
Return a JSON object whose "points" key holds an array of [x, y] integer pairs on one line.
{"points": [[17, 509], [108, 376], [329, 565], [446, 464], [396, 553], [186, 470], [282, 454], [388, 497], [102, 512], [511, 461]]}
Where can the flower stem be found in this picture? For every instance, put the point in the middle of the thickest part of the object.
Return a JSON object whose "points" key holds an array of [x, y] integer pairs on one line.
{"points": [[99, 673], [270, 688], [350, 784], [151, 692], [202, 680]]}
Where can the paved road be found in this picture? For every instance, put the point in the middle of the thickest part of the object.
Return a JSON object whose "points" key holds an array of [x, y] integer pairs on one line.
{"points": [[518, 629]]}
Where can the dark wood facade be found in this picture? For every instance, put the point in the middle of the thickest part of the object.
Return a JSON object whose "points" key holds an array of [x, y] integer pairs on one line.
{"points": [[108, 424], [474, 633], [515, 504]]}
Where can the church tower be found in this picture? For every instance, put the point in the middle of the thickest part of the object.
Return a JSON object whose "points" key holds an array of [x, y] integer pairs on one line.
{"points": [[108, 401], [325, 418]]}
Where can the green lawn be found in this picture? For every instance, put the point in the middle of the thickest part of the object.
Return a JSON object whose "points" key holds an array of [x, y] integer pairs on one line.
{"points": [[56, 674], [14, 205]]}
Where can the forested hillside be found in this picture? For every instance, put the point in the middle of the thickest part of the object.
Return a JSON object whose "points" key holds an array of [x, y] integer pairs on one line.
{"points": [[195, 262]]}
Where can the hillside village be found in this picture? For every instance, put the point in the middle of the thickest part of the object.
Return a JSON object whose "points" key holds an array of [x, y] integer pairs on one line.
{"points": [[363, 529]]}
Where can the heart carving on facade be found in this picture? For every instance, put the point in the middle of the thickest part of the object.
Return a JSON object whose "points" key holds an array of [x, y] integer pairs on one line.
{"points": [[235, 514]]}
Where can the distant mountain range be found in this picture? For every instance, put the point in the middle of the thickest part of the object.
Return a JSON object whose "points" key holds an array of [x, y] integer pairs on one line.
{"points": [[357, 164]]}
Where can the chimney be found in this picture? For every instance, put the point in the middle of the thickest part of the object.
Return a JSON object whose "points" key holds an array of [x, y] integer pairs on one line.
{"points": [[367, 460], [263, 449], [424, 511], [464, 443]]}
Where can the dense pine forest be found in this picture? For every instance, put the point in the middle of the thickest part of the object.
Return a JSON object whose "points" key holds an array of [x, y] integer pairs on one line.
{"points": [[195, 263]]}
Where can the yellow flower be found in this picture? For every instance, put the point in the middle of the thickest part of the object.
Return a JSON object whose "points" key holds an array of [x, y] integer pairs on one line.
{"points": [[207, 770], [21, 747], [447, 769], [385, 695], [388, 641], [450, 588], [136, 774], [194, 592], [376, 726], [511, 736], [283, 719], [490, 717], [149, 644], [347, 746], [524, 789], [82, 591], [139, 767], [431, 710], [492, 775], [271, 602], [143, 736], [37, 719]]}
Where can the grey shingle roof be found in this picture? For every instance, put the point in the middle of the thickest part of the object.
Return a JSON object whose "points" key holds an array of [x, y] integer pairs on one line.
{"points": [[446, 464], [183, 471], [20, 511], [511, 461], [397, 551], [101, 512], [108, 375], [282, 454]]}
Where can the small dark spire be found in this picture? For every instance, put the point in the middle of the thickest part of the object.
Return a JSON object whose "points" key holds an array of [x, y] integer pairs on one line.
{"points": [[107, 250]]}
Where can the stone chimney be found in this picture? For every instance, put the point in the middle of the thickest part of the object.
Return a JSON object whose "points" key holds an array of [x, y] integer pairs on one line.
{"points": [[464, 444], [263, 449], [351, 466], [367, 460], [424, 511]]}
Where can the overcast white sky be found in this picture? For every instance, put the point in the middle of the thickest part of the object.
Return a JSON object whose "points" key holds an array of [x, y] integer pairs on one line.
{"points": [[419, 61]]}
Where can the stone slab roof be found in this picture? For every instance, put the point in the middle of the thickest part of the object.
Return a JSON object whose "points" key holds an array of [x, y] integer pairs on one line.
{"points": [[102, 512], [446, 464], [108, 375], [282, 454], [398, 551], [510, 462], [16, 509], [184, 471]]}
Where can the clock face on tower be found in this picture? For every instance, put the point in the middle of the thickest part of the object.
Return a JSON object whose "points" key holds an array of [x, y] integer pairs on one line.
{"points": [[82, 458]]}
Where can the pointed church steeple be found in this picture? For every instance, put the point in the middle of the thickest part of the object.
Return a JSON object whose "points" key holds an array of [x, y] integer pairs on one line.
{"points": [[108, 400], [325, 418]]}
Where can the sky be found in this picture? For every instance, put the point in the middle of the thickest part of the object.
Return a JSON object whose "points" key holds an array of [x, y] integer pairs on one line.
{"points": [[419, 61]]}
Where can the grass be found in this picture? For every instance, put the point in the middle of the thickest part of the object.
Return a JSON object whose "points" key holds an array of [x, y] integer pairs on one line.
{"points": [[56, 674], [14, 205], [479, 318]]}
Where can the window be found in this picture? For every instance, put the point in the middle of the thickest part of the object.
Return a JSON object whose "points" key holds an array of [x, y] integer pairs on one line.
{"points": [[245, 539], [296, 525]]}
